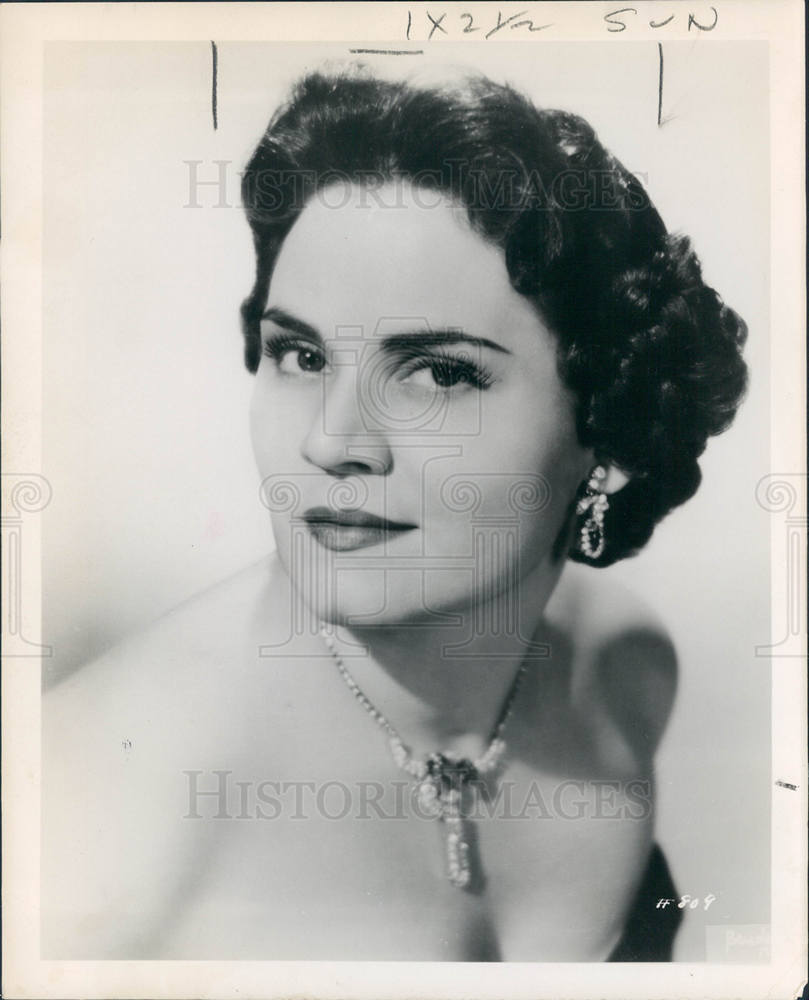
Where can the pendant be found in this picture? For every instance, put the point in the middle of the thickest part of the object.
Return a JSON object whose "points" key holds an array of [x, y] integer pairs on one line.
{"points": [[458, 870], [440, 795]]}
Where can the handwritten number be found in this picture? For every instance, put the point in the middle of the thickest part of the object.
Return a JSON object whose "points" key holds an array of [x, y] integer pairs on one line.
{"points": [[501, 24], [530, 25], [691, 902], [615, 21]]}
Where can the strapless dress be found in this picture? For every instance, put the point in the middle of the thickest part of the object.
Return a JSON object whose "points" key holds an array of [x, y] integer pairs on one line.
{"points": [[650, 929]]}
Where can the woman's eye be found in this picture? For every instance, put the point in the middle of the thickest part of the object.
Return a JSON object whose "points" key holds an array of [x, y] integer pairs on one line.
{"points": [[301, 359], [294, 357], [446, 373]]}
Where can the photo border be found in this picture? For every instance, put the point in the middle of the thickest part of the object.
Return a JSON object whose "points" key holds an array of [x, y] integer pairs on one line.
{"points": [[25, 30]]}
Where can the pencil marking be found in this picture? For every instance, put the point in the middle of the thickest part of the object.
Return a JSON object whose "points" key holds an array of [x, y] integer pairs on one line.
{"points": [[389, 52], [214, 73], [660, 85]]}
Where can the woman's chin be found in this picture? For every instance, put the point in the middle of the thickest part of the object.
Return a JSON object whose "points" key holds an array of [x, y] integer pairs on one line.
{"points": [[365, 597], [344, 596]]}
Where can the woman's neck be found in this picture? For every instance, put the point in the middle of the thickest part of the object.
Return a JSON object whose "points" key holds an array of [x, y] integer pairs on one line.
{"points": [[442, 687]]}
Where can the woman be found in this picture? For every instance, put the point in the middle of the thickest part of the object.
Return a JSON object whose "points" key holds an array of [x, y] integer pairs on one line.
{"points": [[480, 359]]}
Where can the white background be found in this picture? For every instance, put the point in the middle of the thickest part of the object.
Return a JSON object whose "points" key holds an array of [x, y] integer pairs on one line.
{"points": [[144, 393]]}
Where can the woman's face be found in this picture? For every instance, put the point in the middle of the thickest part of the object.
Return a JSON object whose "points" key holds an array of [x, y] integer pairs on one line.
{"points": [[417, 446]]}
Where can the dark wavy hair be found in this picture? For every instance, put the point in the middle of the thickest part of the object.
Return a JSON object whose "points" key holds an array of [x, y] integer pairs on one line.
{"points": [[651, 353]]}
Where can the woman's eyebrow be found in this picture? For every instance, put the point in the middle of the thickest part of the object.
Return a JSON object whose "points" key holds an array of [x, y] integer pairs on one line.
{"points": [[289, 322], [406, 340], [436, 338]]}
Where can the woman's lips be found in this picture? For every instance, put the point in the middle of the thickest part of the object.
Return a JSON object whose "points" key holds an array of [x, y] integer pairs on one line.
{"points": [[343, 530]]}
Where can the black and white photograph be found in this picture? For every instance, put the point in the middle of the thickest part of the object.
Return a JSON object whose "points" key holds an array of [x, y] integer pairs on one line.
{"points": [[414, 549]]}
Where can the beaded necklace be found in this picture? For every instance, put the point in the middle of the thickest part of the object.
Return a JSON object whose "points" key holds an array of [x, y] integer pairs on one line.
{"points": [[440, 778]]}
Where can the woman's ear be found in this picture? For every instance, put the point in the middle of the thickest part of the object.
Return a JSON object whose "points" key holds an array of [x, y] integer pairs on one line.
{"points": [[615, 479]]}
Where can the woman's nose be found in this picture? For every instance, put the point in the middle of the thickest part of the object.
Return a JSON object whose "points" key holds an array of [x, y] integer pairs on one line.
{"points": [[339, 440]]}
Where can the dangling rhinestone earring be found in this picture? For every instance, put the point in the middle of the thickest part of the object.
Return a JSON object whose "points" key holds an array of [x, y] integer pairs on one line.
{"points": [[591, 539]]}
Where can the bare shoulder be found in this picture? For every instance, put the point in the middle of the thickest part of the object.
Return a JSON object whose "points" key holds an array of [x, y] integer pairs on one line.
{"points": [[119, 737], [189, 646], [624, 656], [181, 687]]}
